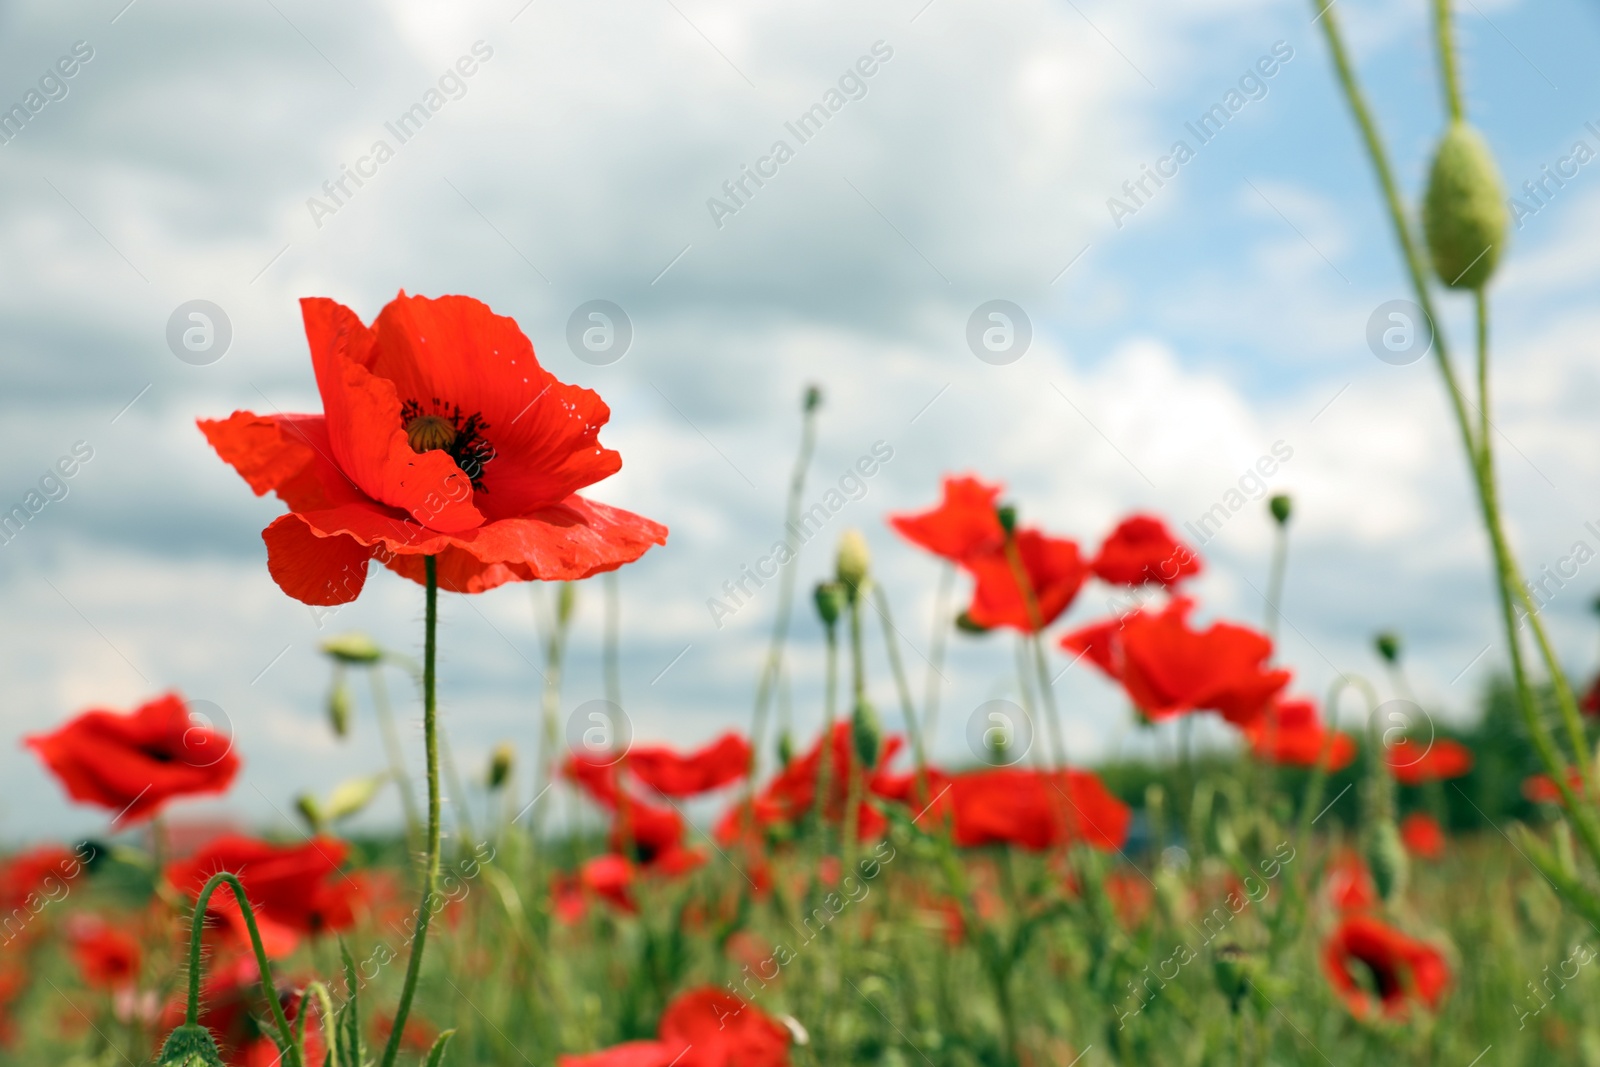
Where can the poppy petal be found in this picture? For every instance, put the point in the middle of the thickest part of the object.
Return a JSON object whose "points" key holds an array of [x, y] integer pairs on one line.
{"points": [[365, 430], [545, 433], [315, 568]]}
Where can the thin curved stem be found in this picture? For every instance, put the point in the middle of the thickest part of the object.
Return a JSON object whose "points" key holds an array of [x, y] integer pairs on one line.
{"points": [[891, 641], [397, 760], [936, 647], [430, 732], [192, 1015]]}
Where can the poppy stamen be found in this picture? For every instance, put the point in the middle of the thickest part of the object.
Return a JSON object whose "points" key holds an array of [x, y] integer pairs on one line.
{"points": [[443, 427]]}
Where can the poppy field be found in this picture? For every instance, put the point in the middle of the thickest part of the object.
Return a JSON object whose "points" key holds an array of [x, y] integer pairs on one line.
{"points": [[1282, 876]]}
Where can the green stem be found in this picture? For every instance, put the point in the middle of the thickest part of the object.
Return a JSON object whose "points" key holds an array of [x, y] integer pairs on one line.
{"points": [[430, 734], [550, 700], [1447, 59], [936, 647], [192, 1015], [1505, 568], [907, 705], [1280, 566], [825, 752], [397, 760], [610, 650], [771, 671]]}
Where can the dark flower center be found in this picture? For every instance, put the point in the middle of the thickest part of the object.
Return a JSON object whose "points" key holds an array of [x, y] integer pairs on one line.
{"points": [[443, 427]]}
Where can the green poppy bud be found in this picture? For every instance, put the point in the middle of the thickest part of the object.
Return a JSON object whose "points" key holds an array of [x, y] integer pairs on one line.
{"points": [[501, 760], [853, 562], [830, 602], [785, 749], [866, 733], [1388, 646], [1281, 508], [1234, 969], [354, 648], [190, 1046], [310, 811], [1386, 858], [339, 706], [1007, 514], [813, 399], [965, 624], [1464, 213]]}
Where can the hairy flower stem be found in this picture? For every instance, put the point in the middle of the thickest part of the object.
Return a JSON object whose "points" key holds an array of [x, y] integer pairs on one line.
{"points": [[1508, 579], [430, 733], [268, 989]]}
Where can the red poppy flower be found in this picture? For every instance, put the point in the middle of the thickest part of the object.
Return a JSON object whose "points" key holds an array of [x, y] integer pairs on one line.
{"points": [[1055, 571], [677, 774], [792, 794], [441, 435], [1291, 733], [1422, 835], [702, 1028], [1414, 763], [107, 956], [1372, 965], [134, 763], [714, 1028], [1541, 788], [1348, 884], [1036, 809], [964, 524], [293, 889], [1169, 668], [1142, 550], [43, 871]]}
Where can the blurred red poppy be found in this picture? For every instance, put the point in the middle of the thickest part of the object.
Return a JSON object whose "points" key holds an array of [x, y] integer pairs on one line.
{"points": [[419, 1034], [1140, 551], [1541, 788], [676, 774], [1036, 809], [706, 1027], [1168, 667], [714, 1028], [107, 956], [1348, 884], [1374, 966], [1591, 699], [1131, 894], [1054, 570], [39, 874], [1291, 733], [1423, 836], [792, 793], [134, 763], [293, 889], [441, 436], [964, 524], [1415, 762]]}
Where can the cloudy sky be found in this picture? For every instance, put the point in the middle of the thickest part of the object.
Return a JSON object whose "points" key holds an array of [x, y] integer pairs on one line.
{"points": [[1172, 344]]}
